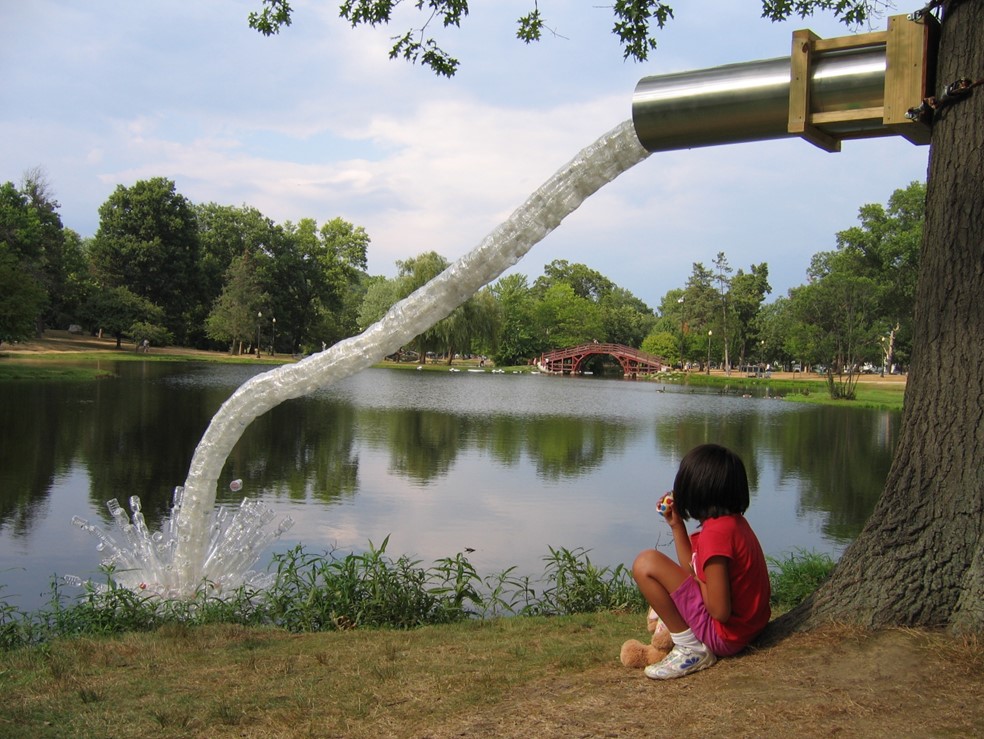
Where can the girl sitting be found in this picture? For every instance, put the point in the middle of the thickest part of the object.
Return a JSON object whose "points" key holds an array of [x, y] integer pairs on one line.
{"points": [[716, 600]]}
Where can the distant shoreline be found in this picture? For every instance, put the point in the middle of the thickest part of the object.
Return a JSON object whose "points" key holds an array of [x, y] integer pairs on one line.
{"points": [[873, 390]]}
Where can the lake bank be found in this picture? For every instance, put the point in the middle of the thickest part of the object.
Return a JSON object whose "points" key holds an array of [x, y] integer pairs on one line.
{"points": [[873, 390]]}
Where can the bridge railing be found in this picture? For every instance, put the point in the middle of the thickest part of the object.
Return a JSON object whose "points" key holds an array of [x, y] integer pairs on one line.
{"points": [[620, 351]]}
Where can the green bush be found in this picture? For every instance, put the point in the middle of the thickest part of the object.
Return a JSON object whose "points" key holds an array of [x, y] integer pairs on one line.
{"points": [[319, 592], [794, 578]]}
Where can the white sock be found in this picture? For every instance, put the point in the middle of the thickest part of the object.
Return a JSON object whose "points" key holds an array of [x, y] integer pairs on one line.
{"points": [[687, 639]]}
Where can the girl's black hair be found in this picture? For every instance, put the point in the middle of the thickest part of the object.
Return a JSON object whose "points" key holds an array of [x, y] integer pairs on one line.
{"points": [[711, 482]]}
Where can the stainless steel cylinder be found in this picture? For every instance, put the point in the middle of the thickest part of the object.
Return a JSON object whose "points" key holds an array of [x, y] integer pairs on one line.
{"points": [[750, 101]]}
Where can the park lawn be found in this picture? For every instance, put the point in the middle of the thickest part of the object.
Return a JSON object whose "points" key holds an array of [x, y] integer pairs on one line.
{"points": [[513, 677]]}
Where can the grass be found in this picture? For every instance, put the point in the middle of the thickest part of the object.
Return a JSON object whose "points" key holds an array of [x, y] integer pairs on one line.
{"points": [[311, 652], [806, 390], [333, 592], [795, 576], [35, 359], [518, 677], [223, 680], [866, 396], [24, 371], [199, 672]]}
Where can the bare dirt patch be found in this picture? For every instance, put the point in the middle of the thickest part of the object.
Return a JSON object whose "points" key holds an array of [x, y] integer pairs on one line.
{"points": [[835, 681], [55, 342]]}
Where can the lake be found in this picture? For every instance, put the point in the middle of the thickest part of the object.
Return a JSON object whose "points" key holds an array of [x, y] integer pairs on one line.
{"points": [[506, 465]]}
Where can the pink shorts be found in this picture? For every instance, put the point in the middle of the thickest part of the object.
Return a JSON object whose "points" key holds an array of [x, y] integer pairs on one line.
{"points": [[690, 603]]}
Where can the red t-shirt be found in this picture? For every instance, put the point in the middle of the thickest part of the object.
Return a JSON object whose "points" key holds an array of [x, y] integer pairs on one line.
{"points": [[733, 538]]}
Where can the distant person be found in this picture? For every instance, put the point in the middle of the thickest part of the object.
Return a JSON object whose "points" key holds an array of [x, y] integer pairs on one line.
{"points": [[716, 600]]}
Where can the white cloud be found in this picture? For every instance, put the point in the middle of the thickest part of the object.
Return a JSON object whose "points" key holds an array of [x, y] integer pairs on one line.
{"points": [[318, 122]]}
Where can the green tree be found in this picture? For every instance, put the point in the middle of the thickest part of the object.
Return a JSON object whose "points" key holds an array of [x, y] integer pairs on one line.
{"points": [[774, 327], [54, 256], [234, 315], [19, 226], [413, 274], [471, 324], [748, 291], [663, 344], [117, 310], [835, 311], [516, 341], [624, 318], [471, 328], [313, 278], [21, 298], [886, 248], [564, 318], [674, 318], [342, 260], [381, 294], [74, 281], [226, 233], [147, 242], [713, 301], [24, 296], [703, 307], [585, 282], [723, 282], [858, 301]]}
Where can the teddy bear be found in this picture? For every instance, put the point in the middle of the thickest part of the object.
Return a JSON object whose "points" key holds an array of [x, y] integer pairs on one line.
{"points": [[636, 654]]}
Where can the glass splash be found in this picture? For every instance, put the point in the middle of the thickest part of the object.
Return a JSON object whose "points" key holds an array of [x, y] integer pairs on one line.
{"points": [[200, 544]]}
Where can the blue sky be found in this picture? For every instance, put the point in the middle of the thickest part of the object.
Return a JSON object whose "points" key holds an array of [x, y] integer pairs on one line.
{"points": [[318, 122]]}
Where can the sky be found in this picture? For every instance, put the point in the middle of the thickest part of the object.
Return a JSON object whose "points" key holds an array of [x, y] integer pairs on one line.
{"points": [[317, 122]]}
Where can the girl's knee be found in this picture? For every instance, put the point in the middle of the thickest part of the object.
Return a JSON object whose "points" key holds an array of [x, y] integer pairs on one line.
{"points": [[645, 563]]}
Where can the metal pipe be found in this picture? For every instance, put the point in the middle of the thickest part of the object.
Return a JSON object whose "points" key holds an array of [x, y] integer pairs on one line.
{"points": [[750, 101]]}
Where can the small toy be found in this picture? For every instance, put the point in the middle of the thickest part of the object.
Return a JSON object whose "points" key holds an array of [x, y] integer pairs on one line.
{"points": [[664, 503], [636, 654]]}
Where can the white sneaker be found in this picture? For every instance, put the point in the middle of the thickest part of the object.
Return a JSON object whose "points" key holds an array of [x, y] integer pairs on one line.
{"points": [[681, 661]]}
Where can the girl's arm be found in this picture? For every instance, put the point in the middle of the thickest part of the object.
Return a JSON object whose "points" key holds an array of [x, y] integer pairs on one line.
{"points": [[716, 588], [681, 539]]}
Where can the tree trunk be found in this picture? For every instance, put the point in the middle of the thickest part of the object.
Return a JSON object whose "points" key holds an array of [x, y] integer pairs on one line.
{"points": [[920, 559]]}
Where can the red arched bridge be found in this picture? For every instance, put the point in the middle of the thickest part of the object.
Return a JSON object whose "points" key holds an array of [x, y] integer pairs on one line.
{"points": [[569, 361]]}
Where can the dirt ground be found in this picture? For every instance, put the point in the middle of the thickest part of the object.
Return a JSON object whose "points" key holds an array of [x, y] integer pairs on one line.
{"points": [[63, 341], [837, 681]]}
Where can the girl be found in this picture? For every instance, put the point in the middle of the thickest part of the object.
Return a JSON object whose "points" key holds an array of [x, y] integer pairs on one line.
{"points": [[716, 600]]}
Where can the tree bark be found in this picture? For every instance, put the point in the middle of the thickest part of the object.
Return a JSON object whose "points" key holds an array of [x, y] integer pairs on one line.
{"points": [[919, 560]]}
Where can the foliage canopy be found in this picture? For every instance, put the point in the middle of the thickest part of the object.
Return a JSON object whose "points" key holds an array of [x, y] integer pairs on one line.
{"points": [[634, 23]]}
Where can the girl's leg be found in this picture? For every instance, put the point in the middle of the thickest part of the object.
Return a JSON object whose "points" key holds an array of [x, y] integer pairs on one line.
{"points": [[657, 576]]}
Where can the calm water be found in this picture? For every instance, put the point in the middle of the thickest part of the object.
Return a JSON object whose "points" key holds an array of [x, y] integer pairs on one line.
{"points": [[506, 465]]}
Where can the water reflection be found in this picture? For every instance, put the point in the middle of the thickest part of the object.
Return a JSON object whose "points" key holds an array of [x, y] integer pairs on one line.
{"points": [[501, 463]]}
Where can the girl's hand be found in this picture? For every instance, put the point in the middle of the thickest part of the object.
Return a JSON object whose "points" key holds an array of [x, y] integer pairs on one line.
{"points": [[668, 511], [663, 506], [673, 518]]}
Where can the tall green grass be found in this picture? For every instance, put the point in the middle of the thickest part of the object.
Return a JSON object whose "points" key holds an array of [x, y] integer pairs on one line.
{"points": [[332, 591], [796, 576]]}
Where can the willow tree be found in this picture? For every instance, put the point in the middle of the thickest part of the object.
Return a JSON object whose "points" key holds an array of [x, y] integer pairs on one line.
{"points": [[919, 561]]}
